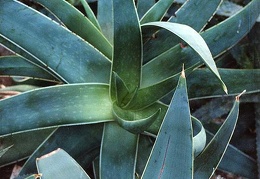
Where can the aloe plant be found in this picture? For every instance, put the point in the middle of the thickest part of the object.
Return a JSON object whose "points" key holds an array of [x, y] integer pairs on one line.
{"points": [[115, 72]]}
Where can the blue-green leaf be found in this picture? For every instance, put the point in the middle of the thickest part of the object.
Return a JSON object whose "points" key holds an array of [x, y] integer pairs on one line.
{"points": [[62, 166], [105, 18], [207, 162], [90, 14], [127, 55], [53, 45], [143, 6], [129, 119], [75, 145], [85, 27], [157, 11], [118, 152], [56, 106], [194, 40], [172, 154], [18, 66]]}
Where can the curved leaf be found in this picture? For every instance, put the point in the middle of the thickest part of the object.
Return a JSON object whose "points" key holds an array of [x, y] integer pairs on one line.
{"points": [[194, 40], [199, 136], [55, 106], [225, 34], [191, 8], [129, 119]]}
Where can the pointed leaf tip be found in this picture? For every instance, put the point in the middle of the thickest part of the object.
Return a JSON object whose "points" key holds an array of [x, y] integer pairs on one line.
{"points": [[225, 88], [183, 72], [238, 96]]}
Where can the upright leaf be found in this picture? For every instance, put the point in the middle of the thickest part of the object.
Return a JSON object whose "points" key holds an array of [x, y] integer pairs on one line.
{"points": [[105, 18], [157, 11], [127, 56], [143, 6], [207, 162], [118, 152], [172, 154], [237, 162], [90, 13]]}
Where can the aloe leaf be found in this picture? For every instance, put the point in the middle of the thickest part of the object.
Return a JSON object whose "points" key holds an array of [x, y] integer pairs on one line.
{"points": [[90, 14], [56, 106], [19, 88], [226, 34], [118, 152], [144, 150], [127, 56], [146, 145], [172, 154], [95, 165], [237, 162], [199, 136], [143, 6], [219, 33], [157, 11], [194, 40], [196, 80], [4, 150], [191, 8], [105, 18], [129, 119], [75, 145], [22, 145], [53, 50], [62, 164], [28, 57], [148, 95], [22, 52], [120, 88], [86, 28], [18, 66], [33, 176], [207, 162]]}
